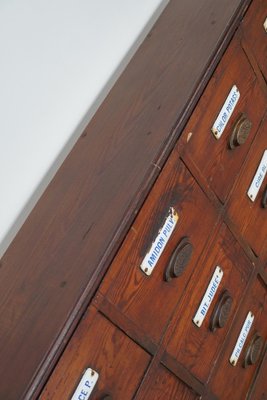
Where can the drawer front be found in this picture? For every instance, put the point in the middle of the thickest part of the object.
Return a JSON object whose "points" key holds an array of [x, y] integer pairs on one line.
{"points": [[254, 28], [163, 385], [233, 382], [205, 314], [100, 346], [219, 160], [259, 390], [148, 301], [250, 217]]}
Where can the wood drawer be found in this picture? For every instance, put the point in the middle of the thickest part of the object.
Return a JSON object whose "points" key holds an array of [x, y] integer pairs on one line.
{"points": [[255, 34], [249, 217], [163, 385], [197, 347], [219, 164], [149, 301], [99, 345], [233, 382], [259, 390]]}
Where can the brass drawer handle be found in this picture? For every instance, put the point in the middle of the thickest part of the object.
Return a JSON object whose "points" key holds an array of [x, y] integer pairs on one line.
{"points": [[240, 131], [221, 311], [254, 351], [179, 259], [264, 198]]}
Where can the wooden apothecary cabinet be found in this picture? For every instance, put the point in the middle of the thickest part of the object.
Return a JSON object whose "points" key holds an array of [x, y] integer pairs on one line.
{"points": [[174, 306], [164, 271]]}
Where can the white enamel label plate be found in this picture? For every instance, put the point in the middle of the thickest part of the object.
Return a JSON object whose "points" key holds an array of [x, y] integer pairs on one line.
{"points": [[242, 339], [226, 112], [157, 247], [208, 297], [258, 178], [86, 385]]}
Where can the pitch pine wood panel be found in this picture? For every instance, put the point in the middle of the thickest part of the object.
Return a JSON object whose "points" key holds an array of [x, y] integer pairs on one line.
{"points": [[53, 267], [99, 345], [149, 301], [250, 218], [163, 385], [259, 390], [234, 382], [254, 33], [198, 348], [219, 164]]}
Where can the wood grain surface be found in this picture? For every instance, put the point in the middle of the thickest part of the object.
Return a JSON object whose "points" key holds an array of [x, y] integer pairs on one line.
{"points": [[197, 348], [149, 301], [234, 382], [219, 164], [163, 385], [254, 33], [99, 345], [51, 270], [250, 218]]}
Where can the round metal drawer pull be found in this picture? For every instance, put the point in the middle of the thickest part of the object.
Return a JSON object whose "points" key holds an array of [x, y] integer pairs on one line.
{"points": [[106, 397], [254, 350], [240, 132], [221, 311], [179, 259]]}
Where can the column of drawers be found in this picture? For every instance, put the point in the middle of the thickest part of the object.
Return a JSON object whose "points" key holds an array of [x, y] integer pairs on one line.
{"points": [[141, 335]]}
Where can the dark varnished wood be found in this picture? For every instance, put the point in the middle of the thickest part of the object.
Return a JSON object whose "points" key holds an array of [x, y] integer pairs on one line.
{"points": [[234, 382], [250, 218], [126, 325], [197, 348], [259, 389], [149, 301], [183, 374], [219, 164], [163, 385], [99, 345], [52, 268], [254, 34]]}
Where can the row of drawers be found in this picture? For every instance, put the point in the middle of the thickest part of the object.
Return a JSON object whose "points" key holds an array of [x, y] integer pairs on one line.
{"points": [[229, 171], [122, 364], [184, 297]]}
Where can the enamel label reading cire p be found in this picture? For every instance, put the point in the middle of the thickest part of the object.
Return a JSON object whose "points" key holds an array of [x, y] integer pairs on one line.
{"points": [[155, 251], [86, 385]]}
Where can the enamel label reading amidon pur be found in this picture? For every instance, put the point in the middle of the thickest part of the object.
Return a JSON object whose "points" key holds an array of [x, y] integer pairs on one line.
{"points": [[226, 112], [153, 256]]}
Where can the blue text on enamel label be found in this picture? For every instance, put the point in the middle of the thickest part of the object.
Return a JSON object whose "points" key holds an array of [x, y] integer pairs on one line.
{"points": [[86, 385], [157, 247], [226, 112], [208, 297], [242, 339], [258, 178]]}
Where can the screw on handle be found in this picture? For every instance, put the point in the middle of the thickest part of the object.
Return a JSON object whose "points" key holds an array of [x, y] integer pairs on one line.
{"points": [[254, 350], [221, 311], [240, 131], [179, 259]]}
